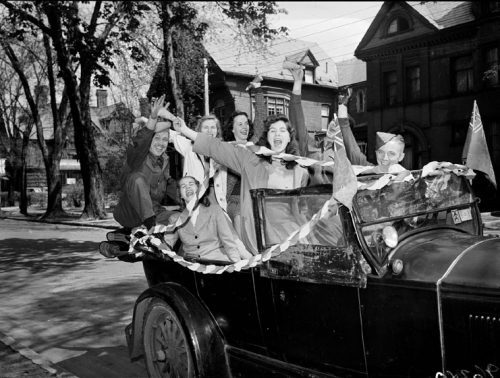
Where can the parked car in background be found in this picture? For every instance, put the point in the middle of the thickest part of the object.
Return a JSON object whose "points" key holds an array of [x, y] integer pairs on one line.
{"points": [[404, 285]]}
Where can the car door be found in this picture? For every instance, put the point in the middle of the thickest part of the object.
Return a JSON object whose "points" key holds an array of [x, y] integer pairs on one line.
{"points": [[309, 294], [230, 297]]}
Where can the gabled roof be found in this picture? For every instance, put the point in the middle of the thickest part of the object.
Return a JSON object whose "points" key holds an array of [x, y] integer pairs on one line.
{"points": [[444, 14], [250, 61], [351, 71], [107, 112], [429, 16], [96, 115]]}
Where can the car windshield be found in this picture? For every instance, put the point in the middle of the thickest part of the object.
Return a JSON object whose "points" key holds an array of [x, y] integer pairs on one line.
{"points": [[409, 205]]}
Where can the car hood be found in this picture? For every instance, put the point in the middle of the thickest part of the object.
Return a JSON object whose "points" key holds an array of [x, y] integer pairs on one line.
{"points": [[451, 257]]}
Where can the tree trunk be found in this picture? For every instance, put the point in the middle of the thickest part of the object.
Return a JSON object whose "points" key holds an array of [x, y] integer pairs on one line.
{"points": [[52, 166], [80, 113], [168, 51], [54, 187], [23, 198]]}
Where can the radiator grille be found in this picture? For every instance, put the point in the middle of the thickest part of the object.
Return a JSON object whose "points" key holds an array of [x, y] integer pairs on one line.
{"points": [[484, 331]]}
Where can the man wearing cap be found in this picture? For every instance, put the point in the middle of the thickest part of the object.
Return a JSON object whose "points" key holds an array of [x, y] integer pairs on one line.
{"points": [[389, 148], [145, 174]]}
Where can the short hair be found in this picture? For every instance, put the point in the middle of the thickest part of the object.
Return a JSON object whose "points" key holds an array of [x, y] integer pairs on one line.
{"points": [[292, 146], [206, 118], [227, 131], [203, 200]]}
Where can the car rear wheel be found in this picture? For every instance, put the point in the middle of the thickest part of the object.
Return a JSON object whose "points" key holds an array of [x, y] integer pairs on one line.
{"points": [[166, 349]]}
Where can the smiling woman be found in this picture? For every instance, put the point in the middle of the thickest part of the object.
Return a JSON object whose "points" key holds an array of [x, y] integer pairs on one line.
{"points": [[205, 231], [256, 171]]}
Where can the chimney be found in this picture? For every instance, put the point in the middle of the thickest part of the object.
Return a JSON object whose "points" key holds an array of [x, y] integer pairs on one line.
{"points": [[102, 98], [144, 107], [42, 95]]}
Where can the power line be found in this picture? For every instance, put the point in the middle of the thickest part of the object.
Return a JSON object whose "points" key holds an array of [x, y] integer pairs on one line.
{"points": [[436, 15], [307, 35], [313, 24]]}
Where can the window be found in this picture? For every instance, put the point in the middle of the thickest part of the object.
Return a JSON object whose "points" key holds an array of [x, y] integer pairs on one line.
{"points": [[277, 105], [309, 75], [412, 83], [390, 87], [494, 6], [491, 73], [360, 101], [463, 74], [398, 25], [325, 115]]}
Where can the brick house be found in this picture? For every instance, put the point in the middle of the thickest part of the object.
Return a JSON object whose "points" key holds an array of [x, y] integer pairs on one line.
{"points": [[426, 64], [235, 70]]}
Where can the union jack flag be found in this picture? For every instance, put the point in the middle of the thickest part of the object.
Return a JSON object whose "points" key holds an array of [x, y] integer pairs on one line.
{"points": [[475, 153], [334, 128], [344, 184]]}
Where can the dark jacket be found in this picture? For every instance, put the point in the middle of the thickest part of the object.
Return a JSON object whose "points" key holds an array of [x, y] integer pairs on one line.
{"points": [[144, 182]]}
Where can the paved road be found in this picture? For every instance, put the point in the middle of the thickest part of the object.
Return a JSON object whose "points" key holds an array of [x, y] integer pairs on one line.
{"points": [[65, 301]]}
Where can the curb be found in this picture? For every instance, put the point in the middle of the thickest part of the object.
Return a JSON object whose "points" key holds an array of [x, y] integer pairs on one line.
{"points": [[67, 223], [34, 357]]}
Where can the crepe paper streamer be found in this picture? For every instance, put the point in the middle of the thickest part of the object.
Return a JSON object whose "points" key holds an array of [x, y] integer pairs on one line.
{"points": [[152, 243]]}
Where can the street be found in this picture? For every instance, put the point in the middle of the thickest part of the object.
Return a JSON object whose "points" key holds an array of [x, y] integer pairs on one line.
{"points": [[65, 301]]}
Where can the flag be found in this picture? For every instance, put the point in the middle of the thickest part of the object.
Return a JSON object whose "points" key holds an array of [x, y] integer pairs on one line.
{"points": [[344, 184], [475, 154]]}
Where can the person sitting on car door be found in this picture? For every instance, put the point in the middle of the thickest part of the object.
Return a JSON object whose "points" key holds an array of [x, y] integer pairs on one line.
{"points": [[206, 232], [145, 175]]}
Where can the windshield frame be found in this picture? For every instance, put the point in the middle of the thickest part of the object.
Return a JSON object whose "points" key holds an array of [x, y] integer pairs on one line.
{"points": [[357, 218]]}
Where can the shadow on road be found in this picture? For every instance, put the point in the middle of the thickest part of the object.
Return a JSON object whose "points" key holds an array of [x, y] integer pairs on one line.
{"points": [[40, 255], [105, 362]]}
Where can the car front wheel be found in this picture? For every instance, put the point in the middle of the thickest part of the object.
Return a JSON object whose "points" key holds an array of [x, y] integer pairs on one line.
{"points": [[167, 352]]}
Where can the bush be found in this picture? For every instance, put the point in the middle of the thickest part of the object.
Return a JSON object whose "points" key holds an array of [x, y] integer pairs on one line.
{"points": [[75, 194], [38, 199]]}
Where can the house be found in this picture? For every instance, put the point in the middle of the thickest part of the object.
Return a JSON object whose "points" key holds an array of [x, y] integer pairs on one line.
{"points": [[237, 67], [352, 75], [113, 121], [426, 63]]}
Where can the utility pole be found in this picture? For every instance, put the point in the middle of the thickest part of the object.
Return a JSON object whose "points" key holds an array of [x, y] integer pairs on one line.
{"points": [[205, 65]]}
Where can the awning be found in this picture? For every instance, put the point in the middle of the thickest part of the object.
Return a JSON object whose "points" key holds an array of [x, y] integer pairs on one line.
{"points": [[69, 165]]}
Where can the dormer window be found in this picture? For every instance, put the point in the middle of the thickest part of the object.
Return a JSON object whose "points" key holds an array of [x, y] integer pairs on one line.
{"points": [[309, 75], [398, 25]]}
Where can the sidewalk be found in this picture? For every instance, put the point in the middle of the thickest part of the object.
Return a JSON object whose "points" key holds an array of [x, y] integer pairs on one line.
{"points": [[72, 219], [16, 360]]}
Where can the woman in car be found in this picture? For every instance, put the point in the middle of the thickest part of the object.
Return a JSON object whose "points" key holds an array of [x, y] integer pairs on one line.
{"points": [[255, 171], [212, 177], [205, 231]]}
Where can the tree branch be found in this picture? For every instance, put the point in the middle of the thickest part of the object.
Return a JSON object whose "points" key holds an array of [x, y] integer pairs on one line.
{"points": [[32, 19]]}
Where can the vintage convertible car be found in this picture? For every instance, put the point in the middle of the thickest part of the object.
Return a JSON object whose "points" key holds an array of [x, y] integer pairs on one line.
{"points": [[404, 285]]}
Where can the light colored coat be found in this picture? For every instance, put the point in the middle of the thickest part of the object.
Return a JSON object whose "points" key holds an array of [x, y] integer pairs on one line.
{"points": [[254, 172], [194, 166], [211, 238]]}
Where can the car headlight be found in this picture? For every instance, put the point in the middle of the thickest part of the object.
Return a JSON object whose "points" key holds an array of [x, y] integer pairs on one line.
{"points": [[390, 236]]}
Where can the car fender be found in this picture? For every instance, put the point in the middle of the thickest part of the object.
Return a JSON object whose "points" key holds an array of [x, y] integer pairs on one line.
{"points": [[205, 338]]}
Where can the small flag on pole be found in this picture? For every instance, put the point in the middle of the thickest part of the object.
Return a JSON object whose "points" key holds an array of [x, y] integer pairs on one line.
{"points": [[475, 154], [344, 184]]}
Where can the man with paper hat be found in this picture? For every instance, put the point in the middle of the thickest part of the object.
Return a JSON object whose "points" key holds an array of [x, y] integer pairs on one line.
{"points": [[389, 148]]}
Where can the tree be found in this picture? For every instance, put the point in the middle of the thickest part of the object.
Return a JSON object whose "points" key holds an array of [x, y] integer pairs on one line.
{"points": [[12, 138], [184, 31], [87, 36], [82, 35], [37, 66]]}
